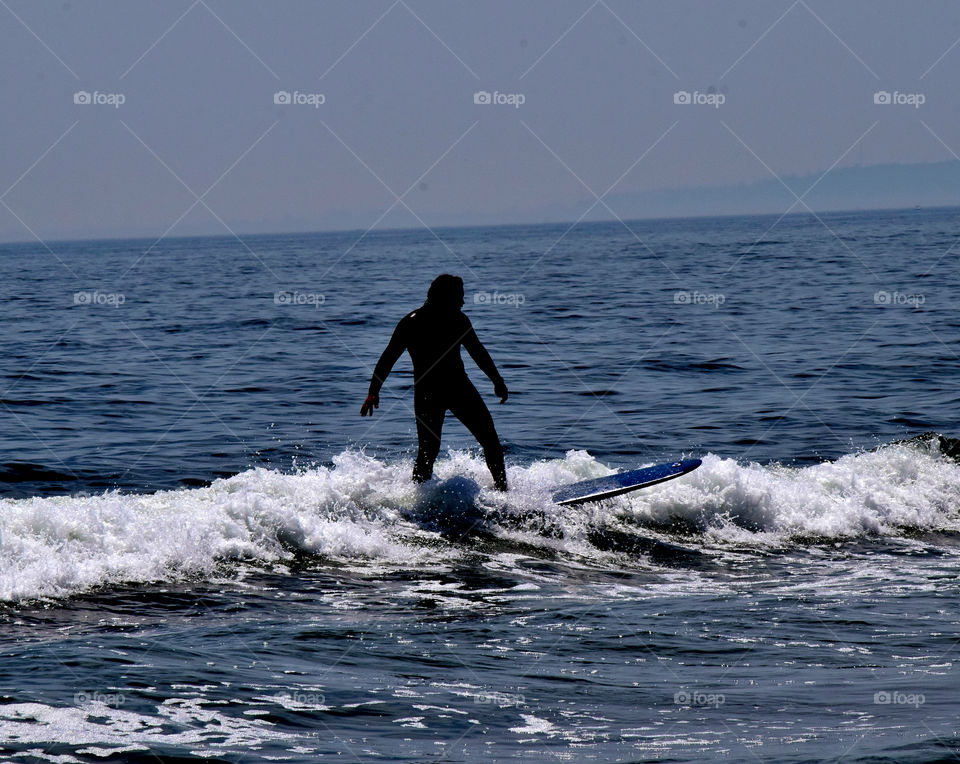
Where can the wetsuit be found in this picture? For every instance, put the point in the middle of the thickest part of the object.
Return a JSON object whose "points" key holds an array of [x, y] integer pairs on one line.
{"points": [[433, 334]]}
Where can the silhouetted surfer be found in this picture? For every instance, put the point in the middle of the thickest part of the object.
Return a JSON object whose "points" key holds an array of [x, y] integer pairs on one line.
{"points": [[433, 334]]}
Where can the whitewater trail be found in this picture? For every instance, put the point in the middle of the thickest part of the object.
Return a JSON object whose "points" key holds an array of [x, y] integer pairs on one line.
{"points": [[361, 510]]}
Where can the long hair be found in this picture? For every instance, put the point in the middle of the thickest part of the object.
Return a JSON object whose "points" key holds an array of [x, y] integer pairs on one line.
{"points": [[446, 290]]}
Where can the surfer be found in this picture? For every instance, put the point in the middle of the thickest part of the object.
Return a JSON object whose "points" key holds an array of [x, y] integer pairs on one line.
{"points": [[433, 334]]}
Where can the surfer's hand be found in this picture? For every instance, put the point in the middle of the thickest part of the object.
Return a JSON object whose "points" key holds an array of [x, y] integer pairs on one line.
{"points": [[372, 402], [500, 390]]}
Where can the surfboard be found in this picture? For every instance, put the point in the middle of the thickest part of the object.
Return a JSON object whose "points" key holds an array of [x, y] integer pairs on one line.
{"points": [[622, 482]]}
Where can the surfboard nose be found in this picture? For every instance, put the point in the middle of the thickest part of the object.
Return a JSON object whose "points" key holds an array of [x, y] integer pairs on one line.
{"points": [[623, 482]]}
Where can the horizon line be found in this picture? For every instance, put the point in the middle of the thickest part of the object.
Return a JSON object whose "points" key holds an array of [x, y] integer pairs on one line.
{"points": [[421, 227]]}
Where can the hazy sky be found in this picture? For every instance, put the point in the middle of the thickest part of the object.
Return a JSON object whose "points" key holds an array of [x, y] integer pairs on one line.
{"points": [[597, 81]]}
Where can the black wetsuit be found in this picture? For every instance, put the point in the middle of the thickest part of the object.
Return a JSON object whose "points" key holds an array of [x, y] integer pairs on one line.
{"points": [[433, 335]]}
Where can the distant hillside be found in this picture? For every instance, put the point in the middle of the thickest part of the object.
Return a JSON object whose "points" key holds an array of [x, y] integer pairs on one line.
{"points": [[934, 184], [884, 186]]}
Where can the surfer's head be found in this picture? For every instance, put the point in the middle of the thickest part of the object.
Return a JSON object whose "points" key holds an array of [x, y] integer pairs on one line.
{"points": [[446, 291]]}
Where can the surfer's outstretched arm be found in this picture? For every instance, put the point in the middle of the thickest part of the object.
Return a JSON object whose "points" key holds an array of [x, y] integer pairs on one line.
{"points": [[483, 360], [388, 358]]}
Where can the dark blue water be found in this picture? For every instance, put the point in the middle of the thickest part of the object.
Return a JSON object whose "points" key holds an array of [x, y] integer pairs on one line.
{"points": [[207, 553]]}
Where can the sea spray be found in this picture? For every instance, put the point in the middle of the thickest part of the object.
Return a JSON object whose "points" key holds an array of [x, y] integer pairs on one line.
{"points": [[364, 511]]}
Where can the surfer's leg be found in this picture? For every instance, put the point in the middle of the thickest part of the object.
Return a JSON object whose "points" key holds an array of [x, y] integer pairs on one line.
{"points": [[429, 412], [468, 406]]}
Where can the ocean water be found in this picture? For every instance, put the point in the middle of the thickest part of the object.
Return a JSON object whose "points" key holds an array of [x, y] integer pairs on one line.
{"points": [[207, 554]]}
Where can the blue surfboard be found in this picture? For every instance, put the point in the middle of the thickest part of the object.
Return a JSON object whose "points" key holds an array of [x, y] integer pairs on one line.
{"points": [[623, 482]]}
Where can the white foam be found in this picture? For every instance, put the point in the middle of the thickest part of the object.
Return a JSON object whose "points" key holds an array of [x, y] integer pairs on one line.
{"points": [[61, 545], [99, 724], [534, 725], [359, 512], [885, 492]]}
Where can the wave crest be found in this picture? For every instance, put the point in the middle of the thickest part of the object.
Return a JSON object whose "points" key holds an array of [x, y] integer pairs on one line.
{"points": [[365, 511]]}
